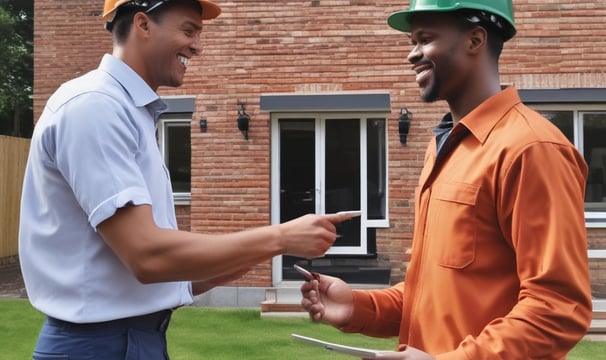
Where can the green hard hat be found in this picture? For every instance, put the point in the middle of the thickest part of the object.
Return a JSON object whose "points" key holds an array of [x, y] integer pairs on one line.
{"points": [[400, 20]]}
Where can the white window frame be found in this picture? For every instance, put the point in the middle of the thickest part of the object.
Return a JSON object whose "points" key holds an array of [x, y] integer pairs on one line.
{"points": [[598, 218], [180, 198]]}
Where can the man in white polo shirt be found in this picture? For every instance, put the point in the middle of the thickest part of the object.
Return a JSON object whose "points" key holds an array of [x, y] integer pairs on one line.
{"points": [[100, 251]]}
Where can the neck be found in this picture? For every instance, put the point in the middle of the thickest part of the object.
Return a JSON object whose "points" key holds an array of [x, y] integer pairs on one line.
{"points": [[473, 96], [134, 62]]}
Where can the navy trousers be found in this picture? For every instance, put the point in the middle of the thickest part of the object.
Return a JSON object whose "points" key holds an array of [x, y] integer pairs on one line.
{"points": [[136, 338]]}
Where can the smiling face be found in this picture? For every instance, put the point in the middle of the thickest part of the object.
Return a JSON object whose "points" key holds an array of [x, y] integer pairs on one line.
{"points": [[172, 40], [438, 57]]}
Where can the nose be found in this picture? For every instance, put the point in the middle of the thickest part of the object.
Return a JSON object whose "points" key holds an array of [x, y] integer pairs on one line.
{"points": [[415, 54], [196, 46]]}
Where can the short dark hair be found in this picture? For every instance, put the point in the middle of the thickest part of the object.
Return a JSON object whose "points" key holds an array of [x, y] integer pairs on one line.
{"points": [[121, 24], [469, 19]]}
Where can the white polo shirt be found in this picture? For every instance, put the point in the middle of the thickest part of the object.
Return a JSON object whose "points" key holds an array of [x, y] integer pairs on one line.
{"points": [[93, 151]]}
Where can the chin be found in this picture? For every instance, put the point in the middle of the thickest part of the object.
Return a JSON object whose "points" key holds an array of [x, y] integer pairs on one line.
{"points": [[175, 83], [429, 97], [430, 93]]}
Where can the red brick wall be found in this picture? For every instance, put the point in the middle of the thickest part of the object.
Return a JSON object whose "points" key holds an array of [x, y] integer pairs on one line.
{"points": [[183, 218], [259, 47], [596, 239]]}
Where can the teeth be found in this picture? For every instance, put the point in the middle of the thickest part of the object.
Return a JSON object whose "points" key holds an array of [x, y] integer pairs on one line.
{"points": [[421, 74], [183, 60]]}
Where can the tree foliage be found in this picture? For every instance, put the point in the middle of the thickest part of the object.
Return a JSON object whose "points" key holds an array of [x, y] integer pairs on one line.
{"points": [[16, 66]]}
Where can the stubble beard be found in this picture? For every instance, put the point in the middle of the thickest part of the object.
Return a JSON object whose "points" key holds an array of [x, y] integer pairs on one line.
{"points": [[431, 93]]}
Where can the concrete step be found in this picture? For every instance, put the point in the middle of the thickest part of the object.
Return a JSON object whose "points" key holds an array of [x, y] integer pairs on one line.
{"points": [[281, 300], [285, 300], [597, 326]]}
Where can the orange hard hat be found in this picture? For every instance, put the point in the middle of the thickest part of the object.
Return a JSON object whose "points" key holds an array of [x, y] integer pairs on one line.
{"points": [[209, 9]]}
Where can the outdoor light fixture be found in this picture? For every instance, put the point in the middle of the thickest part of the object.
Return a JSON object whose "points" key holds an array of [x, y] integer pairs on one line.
{"points": [[202, 125], [243, 119], [404, 124]]}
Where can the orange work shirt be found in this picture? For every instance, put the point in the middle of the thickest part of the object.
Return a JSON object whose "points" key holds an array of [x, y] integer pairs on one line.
{"points": [[499, 265]]}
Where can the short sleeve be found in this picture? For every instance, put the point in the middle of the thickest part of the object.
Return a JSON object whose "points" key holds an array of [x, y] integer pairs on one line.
{"points": [[98, 144]]}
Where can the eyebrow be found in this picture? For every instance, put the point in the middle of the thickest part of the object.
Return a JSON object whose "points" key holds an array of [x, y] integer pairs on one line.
{"points": [[416, 34], [193, 24], [421, 31]]}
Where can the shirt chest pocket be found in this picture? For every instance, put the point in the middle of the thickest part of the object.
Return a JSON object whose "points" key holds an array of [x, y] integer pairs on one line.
{"points": [[452, 224]]}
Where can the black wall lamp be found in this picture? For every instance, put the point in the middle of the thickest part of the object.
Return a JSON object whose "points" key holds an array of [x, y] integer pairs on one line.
{"points": [[202, 125], [404, 124], [243, 120]]}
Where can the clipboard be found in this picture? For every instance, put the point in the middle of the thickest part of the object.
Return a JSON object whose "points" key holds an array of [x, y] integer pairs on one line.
{"points": [[342, 349]]}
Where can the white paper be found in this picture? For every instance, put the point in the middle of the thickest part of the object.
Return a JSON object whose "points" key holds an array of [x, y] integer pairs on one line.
{"points": [[343, 349]]}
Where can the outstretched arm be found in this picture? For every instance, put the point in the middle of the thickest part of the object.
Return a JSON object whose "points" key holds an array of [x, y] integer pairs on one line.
{"points": [[155, 254]]}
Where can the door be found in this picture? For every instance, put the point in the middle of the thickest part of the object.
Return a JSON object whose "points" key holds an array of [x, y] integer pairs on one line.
{"points": [[319, 172]]}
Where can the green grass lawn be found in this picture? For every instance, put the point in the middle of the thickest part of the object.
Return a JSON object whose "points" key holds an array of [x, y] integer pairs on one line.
{"points": [[203, 333]]}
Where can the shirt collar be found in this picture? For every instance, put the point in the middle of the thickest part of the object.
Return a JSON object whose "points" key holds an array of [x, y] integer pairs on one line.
{"points": [[442, 131], [485, 117], [138, 90]]}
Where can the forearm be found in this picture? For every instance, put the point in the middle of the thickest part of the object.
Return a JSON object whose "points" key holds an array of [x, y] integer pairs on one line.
{"points": [[172, 255], [530, 331], [377, 312], [154, 254], [551, 316]]}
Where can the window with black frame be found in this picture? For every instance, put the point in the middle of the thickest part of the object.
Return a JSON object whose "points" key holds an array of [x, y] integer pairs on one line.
{"points": [[174, 137], [586, 129]]}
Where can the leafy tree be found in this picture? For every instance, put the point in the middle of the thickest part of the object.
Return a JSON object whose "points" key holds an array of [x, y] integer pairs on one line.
{"points": [[16, 67]]}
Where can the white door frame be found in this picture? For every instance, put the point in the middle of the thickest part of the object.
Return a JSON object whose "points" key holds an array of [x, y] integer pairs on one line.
{"points": [[320, 145]]}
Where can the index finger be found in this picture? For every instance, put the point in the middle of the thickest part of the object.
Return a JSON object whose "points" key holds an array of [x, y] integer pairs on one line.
{"points": [[352, 213], [342, 216]]}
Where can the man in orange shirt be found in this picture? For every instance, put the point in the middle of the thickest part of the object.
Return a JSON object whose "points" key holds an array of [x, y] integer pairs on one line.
{"points": [[499, 260]]}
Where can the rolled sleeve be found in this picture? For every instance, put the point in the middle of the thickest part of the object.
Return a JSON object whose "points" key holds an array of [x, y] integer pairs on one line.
{"points": [[132, 196]]}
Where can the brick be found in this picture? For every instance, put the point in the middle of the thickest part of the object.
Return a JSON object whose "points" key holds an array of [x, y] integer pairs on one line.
{"points": [[271, 46]]}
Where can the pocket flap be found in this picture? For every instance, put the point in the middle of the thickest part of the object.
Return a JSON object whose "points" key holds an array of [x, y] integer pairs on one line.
{"points": [[457, 192]]}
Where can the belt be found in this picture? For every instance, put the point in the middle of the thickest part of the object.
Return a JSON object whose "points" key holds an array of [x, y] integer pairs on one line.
{"points": [[157, 321]]}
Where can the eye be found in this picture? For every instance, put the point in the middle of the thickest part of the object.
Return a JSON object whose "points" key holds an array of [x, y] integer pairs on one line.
{"points": [[424, 40], [421, 40], [190, 31]]}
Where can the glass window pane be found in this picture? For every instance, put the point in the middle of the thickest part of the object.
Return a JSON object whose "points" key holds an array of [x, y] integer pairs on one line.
{"points": [[297, 168], [594, 141], [177, 147], [564, 120], [376, 169], [343, 176]]}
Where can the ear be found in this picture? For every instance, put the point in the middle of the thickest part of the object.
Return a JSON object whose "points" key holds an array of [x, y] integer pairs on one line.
{"points": [[141, 23], [478, 37]]}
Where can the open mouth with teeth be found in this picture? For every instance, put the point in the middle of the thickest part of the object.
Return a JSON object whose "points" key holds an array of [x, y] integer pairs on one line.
{"points": [[183, 60]]}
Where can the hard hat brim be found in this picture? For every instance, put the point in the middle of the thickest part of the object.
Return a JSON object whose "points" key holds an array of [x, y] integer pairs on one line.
{"points": [[210, 10], [400, 20]]}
